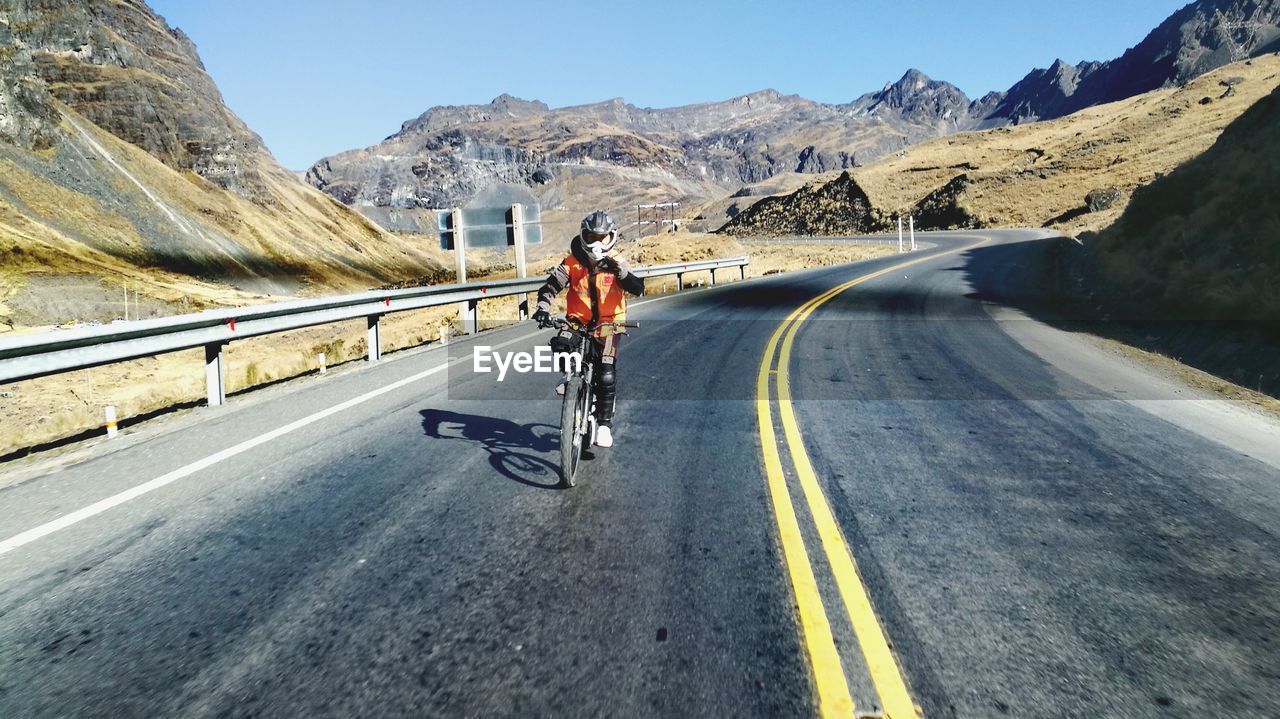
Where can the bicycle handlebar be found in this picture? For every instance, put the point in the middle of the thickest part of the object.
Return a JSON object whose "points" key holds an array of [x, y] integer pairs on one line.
{"points": [[561, 322]]}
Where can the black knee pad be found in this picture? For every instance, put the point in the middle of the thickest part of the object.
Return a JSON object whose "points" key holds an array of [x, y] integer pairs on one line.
{"points": [[607, 379]]}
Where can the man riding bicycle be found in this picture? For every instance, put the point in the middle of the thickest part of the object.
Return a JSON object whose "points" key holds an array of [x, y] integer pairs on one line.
{"points": [[598, 282]]}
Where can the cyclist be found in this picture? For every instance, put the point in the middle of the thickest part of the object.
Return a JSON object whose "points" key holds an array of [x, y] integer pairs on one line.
{"points": [[598, 281]]}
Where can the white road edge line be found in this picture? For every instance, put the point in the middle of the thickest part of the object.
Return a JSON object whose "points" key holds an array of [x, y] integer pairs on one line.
{"points": [[115, 500]]}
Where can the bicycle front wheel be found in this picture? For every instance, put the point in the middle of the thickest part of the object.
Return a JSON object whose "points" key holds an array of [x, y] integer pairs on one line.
{"points": [[572, 428]]}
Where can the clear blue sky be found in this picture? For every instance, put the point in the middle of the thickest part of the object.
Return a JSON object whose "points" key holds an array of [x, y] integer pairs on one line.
{"points": [[315, 77]]}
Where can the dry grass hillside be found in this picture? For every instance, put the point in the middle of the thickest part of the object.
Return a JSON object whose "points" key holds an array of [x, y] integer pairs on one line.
{"points": [[1212, 226], [1040, 174], [80, 220]]}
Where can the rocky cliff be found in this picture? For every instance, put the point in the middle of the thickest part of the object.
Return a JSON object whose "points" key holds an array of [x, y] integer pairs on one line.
{"points": [[122, 68], [120, 163], [1200, 37]]}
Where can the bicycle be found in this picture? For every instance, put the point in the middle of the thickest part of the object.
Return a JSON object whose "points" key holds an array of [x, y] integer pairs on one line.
{"points": [[577, 420]]}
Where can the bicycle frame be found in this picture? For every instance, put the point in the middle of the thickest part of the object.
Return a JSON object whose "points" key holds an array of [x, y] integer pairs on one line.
{"points": [[577, 418]]}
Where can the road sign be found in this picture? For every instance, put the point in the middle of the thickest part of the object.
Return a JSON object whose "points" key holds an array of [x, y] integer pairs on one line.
{"points": [[488, 226]]}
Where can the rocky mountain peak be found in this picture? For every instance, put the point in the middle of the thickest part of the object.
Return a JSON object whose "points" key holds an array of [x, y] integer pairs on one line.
{"points": [[517, 106], [912, 81], [123, 68], [918, 99], [1200, 37], [912, 89], [759, 97]]}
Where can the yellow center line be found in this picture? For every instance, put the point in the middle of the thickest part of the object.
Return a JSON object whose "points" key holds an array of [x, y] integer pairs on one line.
{"points": [[833, 691]]}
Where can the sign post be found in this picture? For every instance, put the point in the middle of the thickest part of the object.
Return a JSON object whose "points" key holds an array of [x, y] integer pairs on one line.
{"points": [[517, 224], [522, 270], [517, 238], [467, 311]]}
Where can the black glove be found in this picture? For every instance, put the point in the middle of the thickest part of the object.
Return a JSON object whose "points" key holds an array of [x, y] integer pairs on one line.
{"points": [[616, 265], [542, 317]]}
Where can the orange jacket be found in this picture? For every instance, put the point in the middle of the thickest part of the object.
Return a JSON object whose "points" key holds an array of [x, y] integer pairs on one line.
{"points": [[595, 295], [608, 294]]}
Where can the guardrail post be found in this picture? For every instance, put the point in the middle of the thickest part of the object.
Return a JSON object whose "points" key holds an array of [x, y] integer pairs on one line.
{"points": [[471, 317], [679, 281], [374, 342], [742, 270], [215, 374], [713, 277]]}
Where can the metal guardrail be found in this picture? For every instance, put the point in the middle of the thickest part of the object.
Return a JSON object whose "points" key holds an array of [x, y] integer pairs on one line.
{"points": [[39, 355]]}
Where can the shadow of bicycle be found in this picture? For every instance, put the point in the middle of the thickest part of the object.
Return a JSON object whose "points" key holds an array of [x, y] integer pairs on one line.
{"points": [[502, 439]]}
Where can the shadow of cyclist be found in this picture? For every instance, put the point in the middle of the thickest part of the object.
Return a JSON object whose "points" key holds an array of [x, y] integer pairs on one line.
{"points": [[502, 439]]}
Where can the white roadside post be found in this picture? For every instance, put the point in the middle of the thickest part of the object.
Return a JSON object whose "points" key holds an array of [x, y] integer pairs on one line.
{"points": [[324, 367], [215, 378], [899, 234], [911, 222], [373, 341], [112, 431]]}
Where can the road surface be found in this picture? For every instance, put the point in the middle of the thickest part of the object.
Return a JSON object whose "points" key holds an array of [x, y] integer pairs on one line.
{"points": [[1039, 530]]}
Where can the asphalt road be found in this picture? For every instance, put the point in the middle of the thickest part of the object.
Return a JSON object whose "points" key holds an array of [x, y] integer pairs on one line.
{"points": [[1034, 542]]}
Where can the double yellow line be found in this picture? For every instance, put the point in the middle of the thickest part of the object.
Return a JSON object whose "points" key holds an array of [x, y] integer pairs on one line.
{"points": [[834, 699]]}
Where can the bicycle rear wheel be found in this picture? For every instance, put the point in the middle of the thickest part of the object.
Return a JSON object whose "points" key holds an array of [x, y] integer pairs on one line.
{"points": [[572, 426]]}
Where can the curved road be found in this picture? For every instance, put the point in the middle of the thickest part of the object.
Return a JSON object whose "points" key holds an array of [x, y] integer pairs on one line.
{"points": [[1039, 533]]}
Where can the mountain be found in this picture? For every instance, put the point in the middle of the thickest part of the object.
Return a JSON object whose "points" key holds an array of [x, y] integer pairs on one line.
{"points": [[1200, 37], [614, 154], [1072, 173], [119, 162], [123, 69], [916, 101], [1041, 95]]}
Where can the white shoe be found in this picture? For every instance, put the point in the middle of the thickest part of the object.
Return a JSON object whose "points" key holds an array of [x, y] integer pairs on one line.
{"points": [[560, 389], [604, 436]]}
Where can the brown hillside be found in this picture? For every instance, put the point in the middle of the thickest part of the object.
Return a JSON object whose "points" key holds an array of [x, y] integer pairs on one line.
{"points": [[1041, 174]]}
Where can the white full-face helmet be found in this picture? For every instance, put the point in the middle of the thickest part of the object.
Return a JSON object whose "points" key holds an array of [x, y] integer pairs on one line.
{"points": [[599, 234]]}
